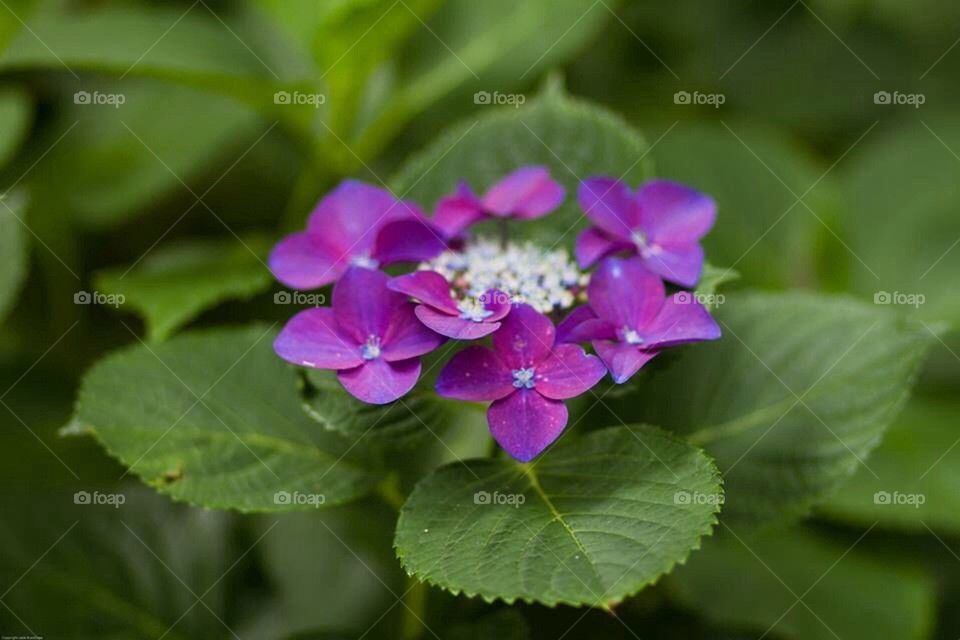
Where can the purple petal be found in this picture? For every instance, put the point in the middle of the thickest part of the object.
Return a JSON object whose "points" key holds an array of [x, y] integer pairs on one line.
{"points": [[678, 264], [363, 305], [682, 319], [475, 374], [407, 241], [525, 423], [582, 325], [454, 326], [671, 213], [593, 244], [623, 360], [525, 337], [568, 372], [497, 303], [349, 217], [312, 339], [610, 205], [458, 211], [529, 192], [406, 337], [429, 287], [378, 381], [302, 261], [625, 294]]}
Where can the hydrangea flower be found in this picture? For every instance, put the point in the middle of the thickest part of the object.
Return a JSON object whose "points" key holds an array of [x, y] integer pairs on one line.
{"points": [[527, 377], [466, 319], [370, 336], [662, 224], [356, 224], [526, 193], [630, 318]]}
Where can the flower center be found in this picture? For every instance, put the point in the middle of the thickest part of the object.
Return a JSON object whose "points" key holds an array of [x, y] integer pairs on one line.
{"points": [[370, 350], [523, 378], [364, 260], [472, 309], [630, 336], [644, 248]]}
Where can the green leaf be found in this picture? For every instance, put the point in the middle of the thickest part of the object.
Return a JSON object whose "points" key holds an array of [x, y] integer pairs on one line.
{"points": [[574, 139], [177, 282], [507, 624], [593, 521], [16, 112], [13, 252], [712, 279], [791, 400], [761, 230], [847, 592], [213, 418], [918, 465]]}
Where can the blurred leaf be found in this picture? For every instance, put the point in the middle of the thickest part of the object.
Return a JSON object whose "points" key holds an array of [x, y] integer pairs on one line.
{"points": [[15, 116], [13, 252], [918, 465], [713, 278], [558, 531], [506, 624], [790, 401], [907, 238], [213, 418], [794, 584], [177, 282], [574, 139], [761, 230]]}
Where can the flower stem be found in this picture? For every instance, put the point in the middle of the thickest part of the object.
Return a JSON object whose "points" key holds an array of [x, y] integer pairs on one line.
{"points": [[389, 492], [415, 610], [504, 233]]}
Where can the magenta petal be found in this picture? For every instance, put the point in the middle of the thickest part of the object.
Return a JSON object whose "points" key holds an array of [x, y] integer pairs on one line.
{"points": [[623, 360], [302, 262], [525, 337], [593, 244], [525, 423], [378, 381], [610, 205], [568, 372], [682, 319], [363, 305], [671, 213], [582, 325], [429, 287], [454, 326], [349, 217], [625, 294], [529, 192], [475, 374], [681, 265], [406, 337], [312, 339], [497, 303], [458, 211], [407, 241]]}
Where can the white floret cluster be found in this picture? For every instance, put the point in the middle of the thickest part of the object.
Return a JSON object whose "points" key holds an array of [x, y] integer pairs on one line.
{"points": [[546, 280]]}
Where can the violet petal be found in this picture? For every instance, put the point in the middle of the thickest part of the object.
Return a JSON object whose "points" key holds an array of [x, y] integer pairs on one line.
{"points": [[528, 192], [429, 287], [672, 213], [593, 244], [525, 337], [623, 360], [406, 337], [378, 381], [678, 264], [475, 374], [610, 205], [525, 423], [682, 319], [312, 338], [458, 211], [363, 305], [302, 262], [407, 241], [625, 294], [454, 326], [568, 372]]}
